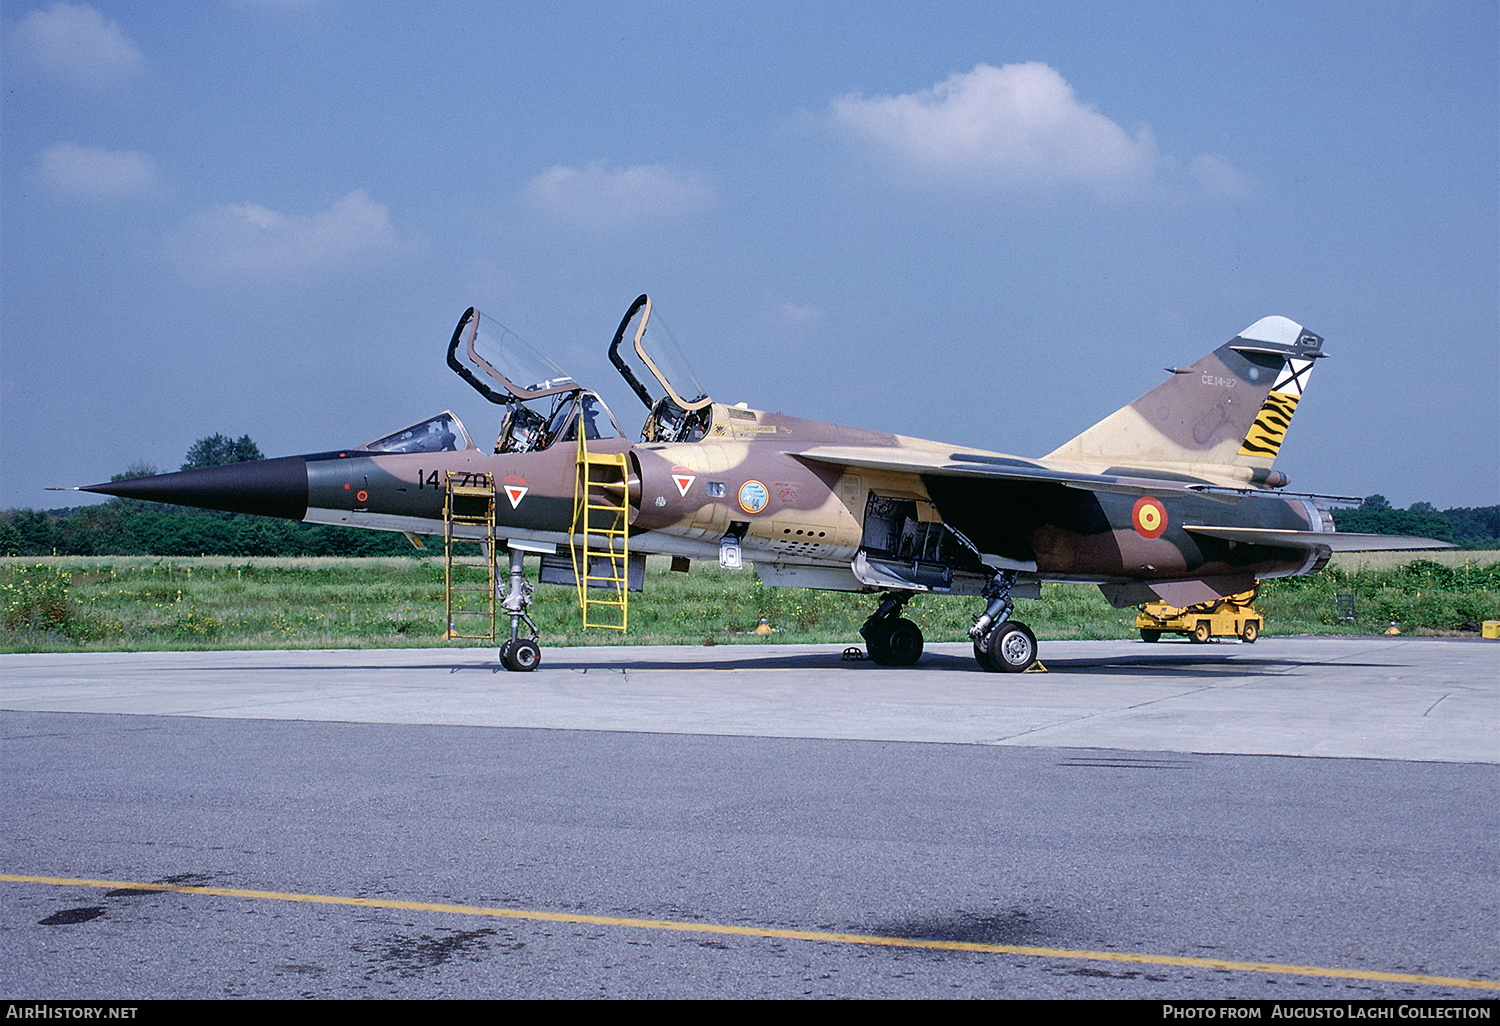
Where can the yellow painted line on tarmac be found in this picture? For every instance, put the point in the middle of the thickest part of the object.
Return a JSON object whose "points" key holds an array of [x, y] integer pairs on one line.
{"points": [[680, 926], [713, 669]]}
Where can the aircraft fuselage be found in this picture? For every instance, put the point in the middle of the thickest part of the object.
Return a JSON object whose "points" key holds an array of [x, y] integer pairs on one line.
{"points": [[792, 512]]}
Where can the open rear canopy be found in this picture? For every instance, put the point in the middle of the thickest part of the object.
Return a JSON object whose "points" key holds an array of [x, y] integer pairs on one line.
{"points": [[653, 348]]}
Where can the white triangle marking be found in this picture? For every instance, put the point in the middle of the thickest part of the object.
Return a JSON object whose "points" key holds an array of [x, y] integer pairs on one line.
{"points": [[684, 482], [515, 493]]}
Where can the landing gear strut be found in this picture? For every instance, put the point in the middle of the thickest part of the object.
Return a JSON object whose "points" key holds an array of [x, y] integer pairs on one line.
{"points": [[519, 654], [891, 639], [1002, 645]]}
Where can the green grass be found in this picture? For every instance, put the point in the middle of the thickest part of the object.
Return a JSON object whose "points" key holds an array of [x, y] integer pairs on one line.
{"points": [[115, 603], [1418, 596]]}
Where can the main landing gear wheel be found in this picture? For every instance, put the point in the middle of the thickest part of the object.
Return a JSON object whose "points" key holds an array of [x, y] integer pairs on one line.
{"points": [[894, 641], [523, 655], [904, 642], [1002, 645], [891, 639], [1011, 648]]}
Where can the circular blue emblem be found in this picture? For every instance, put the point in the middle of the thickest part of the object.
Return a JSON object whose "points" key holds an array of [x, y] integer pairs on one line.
{"points": [[753, 496]]}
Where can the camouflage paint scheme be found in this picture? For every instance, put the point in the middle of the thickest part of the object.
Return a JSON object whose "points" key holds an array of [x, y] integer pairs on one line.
{"points": [[1172, 497]]}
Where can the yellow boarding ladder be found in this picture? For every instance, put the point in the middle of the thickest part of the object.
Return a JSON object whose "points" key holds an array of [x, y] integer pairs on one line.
{"points": [[601, 539], [467, 578]]}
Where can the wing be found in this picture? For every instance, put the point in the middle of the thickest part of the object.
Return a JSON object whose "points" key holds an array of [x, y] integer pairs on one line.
{"points": [[989, 466], [997, 502]]}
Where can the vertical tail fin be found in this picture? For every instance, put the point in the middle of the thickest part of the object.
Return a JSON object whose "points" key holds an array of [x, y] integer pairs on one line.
{"points": [[1231, 408]]}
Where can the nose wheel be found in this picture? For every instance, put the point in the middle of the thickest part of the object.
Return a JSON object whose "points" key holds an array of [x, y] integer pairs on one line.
{"points": [[519, 654]]}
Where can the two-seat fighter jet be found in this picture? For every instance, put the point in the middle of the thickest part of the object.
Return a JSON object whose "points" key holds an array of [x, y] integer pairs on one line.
{"points": [[1172, 497]]}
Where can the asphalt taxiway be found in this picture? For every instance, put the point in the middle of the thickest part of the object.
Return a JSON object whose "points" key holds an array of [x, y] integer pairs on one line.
{"points": [[1309, 817]]}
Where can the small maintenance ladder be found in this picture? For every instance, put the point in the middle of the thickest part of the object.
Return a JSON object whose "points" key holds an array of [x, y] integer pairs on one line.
{"points": [[601, 539], [469, 581]]}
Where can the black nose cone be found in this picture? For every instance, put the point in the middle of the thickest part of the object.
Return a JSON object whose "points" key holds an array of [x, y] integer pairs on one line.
{"points": [[268, 488]]}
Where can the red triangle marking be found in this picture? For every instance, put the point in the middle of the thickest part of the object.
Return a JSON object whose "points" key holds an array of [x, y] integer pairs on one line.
{"points": [[684, 482], [515, 493]]}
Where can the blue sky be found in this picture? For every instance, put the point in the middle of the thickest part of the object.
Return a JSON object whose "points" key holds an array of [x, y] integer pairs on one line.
{"points": [[983, 223]]}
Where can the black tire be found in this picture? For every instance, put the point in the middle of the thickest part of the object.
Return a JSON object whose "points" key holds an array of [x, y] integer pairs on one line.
{"points": [[1202, 632], [877, 637], [1147, 634], [1250, 633], [524, 656], [903, 643], [505, 654], [1012, 647], [983, 659]]}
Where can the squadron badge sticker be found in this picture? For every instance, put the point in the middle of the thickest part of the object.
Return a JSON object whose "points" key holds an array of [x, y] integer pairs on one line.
{"points": [[1149, 517], [754, 496]]}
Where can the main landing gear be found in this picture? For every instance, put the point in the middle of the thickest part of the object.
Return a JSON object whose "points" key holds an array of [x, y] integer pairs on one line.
{"points": [[519, 654], [1002, 645], [891, 639]]}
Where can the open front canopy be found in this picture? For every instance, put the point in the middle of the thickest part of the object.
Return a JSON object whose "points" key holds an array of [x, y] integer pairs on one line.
{"points": [[486, 353]]}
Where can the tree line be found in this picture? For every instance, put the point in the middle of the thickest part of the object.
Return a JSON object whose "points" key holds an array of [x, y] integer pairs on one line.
{"points": [[133, 527], [1468, 527]]}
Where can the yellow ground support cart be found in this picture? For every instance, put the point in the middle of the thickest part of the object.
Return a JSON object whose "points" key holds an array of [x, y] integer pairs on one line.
{"points": [[1234, 616]]}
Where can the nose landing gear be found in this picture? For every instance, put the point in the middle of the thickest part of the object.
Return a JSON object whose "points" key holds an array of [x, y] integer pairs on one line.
{"points": [[520, 654]]}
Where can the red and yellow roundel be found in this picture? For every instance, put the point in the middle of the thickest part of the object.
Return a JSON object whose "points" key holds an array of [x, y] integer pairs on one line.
{"points": [[1149, 517]]}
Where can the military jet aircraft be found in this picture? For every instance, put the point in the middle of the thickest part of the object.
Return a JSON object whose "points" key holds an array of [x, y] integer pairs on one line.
{"points": [[1172, 497]]}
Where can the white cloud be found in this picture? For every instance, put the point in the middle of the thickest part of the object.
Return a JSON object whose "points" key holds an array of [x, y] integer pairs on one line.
{"points": [[75, 43], [83, 172], [794, 314], [246, 238], [1218, 178], [1017, 125], [599, 198]]}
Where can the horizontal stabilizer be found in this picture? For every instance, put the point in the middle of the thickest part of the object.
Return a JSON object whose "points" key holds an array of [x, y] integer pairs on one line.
{"points": [[1335, 541]]}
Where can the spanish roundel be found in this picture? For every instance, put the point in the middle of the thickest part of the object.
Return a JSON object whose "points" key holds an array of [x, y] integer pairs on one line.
{"points": [[1149, 517]]}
